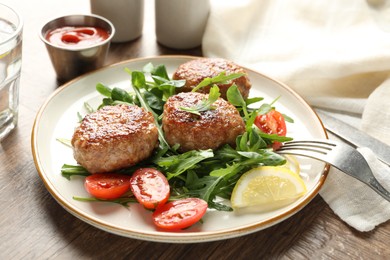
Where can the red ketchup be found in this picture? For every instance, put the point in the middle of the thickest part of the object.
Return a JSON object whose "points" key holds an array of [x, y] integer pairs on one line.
{"points": [[79, 36]]}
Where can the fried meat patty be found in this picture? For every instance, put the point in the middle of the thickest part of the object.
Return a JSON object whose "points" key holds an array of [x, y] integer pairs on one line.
{"points": [[114, 137], [212, 129], [195, 71]]}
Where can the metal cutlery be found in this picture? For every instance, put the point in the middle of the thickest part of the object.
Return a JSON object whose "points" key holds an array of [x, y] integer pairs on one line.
{"points": [[341, 156], [355, 137]]}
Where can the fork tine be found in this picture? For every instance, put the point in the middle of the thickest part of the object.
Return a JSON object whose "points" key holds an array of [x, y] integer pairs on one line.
{"points": [[310, 143], [307, 152], [341, 156], [313, 148]]}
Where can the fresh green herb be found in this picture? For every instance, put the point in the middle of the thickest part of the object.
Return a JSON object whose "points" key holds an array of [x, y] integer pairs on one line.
{"points": [[80, 117], [114, 96], [203, 187], [64, 141], [88, 107], [264, 109], [287, 118], [250, 101], [275, 137], [221, 78], [175, 165], [162, 85], [68, 171], [137, 86], [103, 89], [205, 104], [235, 98], [118, 94], [122, 201]]}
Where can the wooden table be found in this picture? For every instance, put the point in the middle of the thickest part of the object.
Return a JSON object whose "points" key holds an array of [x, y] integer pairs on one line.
{"points": [[34, 226]]}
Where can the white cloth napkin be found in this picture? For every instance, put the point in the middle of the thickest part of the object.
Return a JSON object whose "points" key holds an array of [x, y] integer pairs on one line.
{"points": [[335, 54]]}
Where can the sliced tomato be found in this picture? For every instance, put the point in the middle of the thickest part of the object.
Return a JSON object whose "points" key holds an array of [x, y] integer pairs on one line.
{"points": [[107, 185], [150, 187], [180, 214], [272, 123]]}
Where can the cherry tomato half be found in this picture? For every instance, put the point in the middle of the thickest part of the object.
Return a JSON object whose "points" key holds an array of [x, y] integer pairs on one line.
{"points": [[180, 214], [150, 187], [272, 123], [107, 185]]}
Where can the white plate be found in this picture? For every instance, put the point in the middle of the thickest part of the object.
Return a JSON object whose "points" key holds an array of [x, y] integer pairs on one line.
{"points": [[58, 117]]}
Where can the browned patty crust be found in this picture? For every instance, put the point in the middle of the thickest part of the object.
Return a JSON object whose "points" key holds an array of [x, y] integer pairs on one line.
{"points": [[114, 137], [212, 129], [195, 71]]}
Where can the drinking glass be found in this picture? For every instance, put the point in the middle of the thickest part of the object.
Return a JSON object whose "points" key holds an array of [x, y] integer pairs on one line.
{"points": [[11, 27]]}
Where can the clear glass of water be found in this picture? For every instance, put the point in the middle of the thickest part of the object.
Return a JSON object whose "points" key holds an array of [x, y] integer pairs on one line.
{"points": [[11, 27]]}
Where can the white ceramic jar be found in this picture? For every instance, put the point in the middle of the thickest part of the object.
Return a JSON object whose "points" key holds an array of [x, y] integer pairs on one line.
{"points": [[126, 15], [180, 24]]}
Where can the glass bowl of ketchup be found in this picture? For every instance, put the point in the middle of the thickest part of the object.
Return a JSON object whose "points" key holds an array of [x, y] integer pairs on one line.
{"points": [[77, 43]]}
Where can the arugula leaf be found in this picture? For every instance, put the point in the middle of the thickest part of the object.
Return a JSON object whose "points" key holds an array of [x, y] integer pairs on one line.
{"points": [[80, 117], [68, 170], [220, 206], [138, 79], [134, 75], [263, 157], [228, 171], [175, 83], [202, 187], [205, 104], [250, 121], [175, 165], [221, 78], [209, 187], [162, 81], [250, 101], [119, 94], [250, 141], [88, 107], [64, 141], [166, 82], [154, 101], [168, 87], [113, 97], [264, 109], [226, 154], [106, 102], [103, 89], [225, 187], [275, 137], [122, 201], [288, 119], [235, 98], [161, 72], [148, 68]]}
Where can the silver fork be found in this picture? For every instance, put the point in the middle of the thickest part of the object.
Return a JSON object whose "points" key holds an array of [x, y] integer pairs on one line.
{"points": [[340, 155]]}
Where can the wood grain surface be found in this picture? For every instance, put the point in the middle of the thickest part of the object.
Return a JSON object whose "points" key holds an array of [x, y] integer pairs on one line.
{"points": [[34, 226]]}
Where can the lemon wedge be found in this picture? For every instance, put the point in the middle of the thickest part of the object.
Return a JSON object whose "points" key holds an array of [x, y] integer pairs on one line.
{"points": [[267, 188]]}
